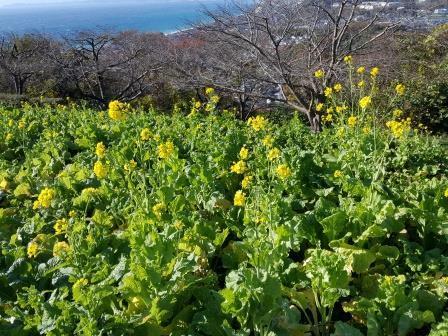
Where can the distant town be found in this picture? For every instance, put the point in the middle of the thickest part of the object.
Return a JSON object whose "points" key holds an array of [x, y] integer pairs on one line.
{"points": [[413, 14]]}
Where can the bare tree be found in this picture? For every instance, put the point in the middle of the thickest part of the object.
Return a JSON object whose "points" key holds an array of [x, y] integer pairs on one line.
{"points": [[286, 41], [197, 63], [22, 58], [104, 66]]}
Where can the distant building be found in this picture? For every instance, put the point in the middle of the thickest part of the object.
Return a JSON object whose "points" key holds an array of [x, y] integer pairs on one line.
{"points": [[441, 11], [371, 5]]}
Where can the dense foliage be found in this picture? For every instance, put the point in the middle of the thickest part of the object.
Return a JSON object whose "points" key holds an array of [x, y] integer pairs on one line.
{"points": [[426, 73], [135, 223]]}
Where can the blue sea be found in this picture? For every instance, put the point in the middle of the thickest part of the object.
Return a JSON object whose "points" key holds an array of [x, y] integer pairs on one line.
{"points": [[65, 17]]}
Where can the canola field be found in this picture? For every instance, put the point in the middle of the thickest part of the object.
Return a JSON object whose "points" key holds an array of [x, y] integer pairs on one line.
{"points": [[129, 222]]}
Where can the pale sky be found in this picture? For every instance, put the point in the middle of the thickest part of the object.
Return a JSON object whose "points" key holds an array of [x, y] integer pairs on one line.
{"points": [[41, 2]]}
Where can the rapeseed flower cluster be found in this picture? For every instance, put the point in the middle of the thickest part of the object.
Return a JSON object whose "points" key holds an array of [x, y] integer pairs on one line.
{"points": [[158, 210], [258, 123], [283, 171], [45, 198], [239, 199], [399, 128], [247, 181], [4, 184], [397, 113], [80, 283], [365, 102], [100, 170], [374, 72], [338, 174], [239, 168], [337, 87], [244, 153], [130, 166], [145, 134], [352, 121], [166, 150], [60, 226], [268, 141], [274, 154], [328, 92], [118, 110], [329, 116], [319, 74], [32, 249], [100, 150], [400, 89], [89, 192], [60, 248]]}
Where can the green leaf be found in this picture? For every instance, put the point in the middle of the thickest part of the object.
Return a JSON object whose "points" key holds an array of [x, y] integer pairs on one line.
{"points": [[344, 329], [334, 225]]}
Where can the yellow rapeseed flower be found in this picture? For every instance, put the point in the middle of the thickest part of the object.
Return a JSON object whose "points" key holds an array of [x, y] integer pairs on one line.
{"points": [[446, 193], [397, 113], [340, 132], [348, 59], [80, 283], [319, 74], [166, 150], [4, 184], [247, 180], [32, 249], [9, 137], [268, 141], [145, 134], [239, 168], [244, 153], [337, 87], [361, 70], [158, 210], [319, 107], [130, 166], [361, 84], [400, 89], [328, 92], [239, 199], [352, 121], [366, 130], [365, 102], [117, 110], [338, 174], [374, 72], [328, 117], [72, 214], [22, 123], [100, 170], [209, 91], [60, 248], [258, 123], [100, 150], [274, 154], [283, 171], [44, 199], [399, 128], [10, 123], [340, 109], [60, 226]]}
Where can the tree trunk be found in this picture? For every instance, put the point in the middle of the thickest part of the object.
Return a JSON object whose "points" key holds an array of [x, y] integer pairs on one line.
{"points": [[315, 121]]}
